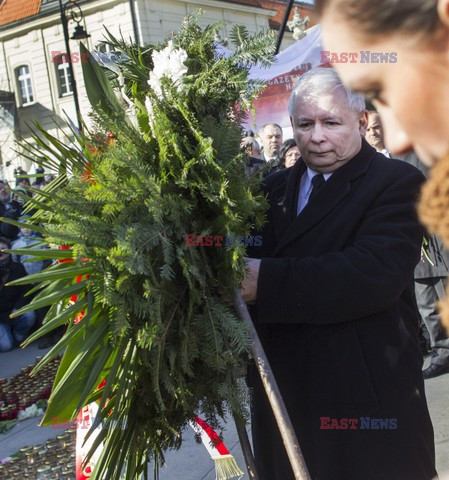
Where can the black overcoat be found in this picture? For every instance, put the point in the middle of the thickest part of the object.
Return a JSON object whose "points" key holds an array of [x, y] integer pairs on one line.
{"points": [[337, 317]]}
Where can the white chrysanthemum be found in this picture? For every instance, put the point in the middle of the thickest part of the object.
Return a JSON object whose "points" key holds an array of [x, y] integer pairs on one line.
{"points": [[169, 63]]}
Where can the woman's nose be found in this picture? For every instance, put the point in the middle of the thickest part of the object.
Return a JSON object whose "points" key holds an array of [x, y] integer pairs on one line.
{"points": [[396, 140]]}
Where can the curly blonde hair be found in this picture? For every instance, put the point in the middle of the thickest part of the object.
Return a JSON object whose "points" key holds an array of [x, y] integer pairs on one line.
{"points": [[433, 210]]}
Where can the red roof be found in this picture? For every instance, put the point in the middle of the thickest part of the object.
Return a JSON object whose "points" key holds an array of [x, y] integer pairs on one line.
{"points": [[279, 6], [14, 10]]}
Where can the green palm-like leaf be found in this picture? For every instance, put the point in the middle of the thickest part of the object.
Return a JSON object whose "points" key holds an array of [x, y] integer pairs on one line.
{"points": [[98, 88]]}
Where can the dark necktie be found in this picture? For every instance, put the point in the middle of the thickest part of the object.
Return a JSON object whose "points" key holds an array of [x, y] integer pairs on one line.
{"points": [[317, 182]]}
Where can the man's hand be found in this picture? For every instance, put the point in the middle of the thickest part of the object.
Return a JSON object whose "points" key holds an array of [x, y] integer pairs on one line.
{"points": [[248, 288]]}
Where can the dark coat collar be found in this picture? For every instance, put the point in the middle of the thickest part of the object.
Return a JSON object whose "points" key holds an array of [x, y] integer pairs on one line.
{"points": [[330, 195]]}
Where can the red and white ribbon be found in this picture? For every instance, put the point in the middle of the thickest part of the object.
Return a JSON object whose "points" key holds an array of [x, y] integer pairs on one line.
{"points": [[225, 465], [85, 420]]}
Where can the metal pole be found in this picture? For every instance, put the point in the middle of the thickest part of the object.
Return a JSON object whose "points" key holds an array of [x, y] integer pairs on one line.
{"points": [[283, 25], [246, 450], [65, 29], [134, 21], [274, 395]]}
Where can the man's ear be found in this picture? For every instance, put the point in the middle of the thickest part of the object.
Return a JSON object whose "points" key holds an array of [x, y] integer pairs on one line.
{"points": [[363, 122], [291, 122]]}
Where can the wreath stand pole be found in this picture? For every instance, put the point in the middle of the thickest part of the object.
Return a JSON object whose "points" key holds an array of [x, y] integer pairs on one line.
{"points": [[274, 395], [246, 449]]}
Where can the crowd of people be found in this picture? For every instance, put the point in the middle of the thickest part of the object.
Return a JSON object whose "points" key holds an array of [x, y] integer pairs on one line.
{"points": [[273, 154], [15, 329]]}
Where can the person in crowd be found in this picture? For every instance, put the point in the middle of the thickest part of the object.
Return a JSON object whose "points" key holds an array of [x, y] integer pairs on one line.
{"points": [[334, 306], [430, 284], [39, 180], [375, 134], [23, 182], [13, 331], [410, 91], [8, 209], [49, 178], [271, 137], [20, 180], [251, 147], [289, 153], [19, 195], [28, 238], [430, 273], [254, 164]]}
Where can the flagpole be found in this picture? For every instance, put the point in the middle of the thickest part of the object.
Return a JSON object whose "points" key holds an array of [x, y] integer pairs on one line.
{"points": [[273, 393], [246, 450]]}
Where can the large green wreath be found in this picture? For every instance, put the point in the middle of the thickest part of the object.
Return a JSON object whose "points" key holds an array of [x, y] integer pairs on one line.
{"points": [[163, 161]]}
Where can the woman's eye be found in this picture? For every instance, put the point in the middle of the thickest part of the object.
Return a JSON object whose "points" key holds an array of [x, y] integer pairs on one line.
{"points": [[374, 96], [370, 96]]}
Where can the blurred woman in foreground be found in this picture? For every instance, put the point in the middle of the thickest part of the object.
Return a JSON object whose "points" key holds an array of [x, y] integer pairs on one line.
{"points": [[410, 90]]}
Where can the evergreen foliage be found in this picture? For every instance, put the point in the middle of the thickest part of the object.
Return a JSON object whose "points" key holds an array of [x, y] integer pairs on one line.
{"points": [[152, 316]]}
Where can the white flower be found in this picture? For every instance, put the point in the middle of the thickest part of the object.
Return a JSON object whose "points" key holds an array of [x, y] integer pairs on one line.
{"points": [[155, 83], [169, 63], [32, 411], [149, 107]]}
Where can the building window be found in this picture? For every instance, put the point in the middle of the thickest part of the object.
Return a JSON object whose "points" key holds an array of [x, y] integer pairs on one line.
{"points": [[25, 87], [63, 73]]}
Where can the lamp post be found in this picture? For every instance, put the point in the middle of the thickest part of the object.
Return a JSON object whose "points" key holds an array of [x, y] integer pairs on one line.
{"points": [[72, 11], [288, 9]]}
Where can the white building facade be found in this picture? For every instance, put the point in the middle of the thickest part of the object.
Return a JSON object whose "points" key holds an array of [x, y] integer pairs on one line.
{"points": [[35, 82]]}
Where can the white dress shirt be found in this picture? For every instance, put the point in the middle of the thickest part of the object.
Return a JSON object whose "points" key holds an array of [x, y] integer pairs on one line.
{"points": [[305, 188]]}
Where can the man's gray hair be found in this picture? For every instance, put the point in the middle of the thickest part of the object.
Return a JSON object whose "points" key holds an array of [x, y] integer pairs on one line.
{"points": [[263, 127], [324, 80]]}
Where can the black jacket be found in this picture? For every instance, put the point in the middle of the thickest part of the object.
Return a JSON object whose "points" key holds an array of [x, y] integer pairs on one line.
{"points": [[336, 314], [435, 258], [10, 210], [11, 298]]}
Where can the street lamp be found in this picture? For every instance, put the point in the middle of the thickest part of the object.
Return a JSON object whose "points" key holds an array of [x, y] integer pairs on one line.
{"points": [[72, 11]]}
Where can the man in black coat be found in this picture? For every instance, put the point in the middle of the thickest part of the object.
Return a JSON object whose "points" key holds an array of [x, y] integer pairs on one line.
{"points": [[334, 302], [271, 136], [430, 284], [13, 331], [8, 209]]}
